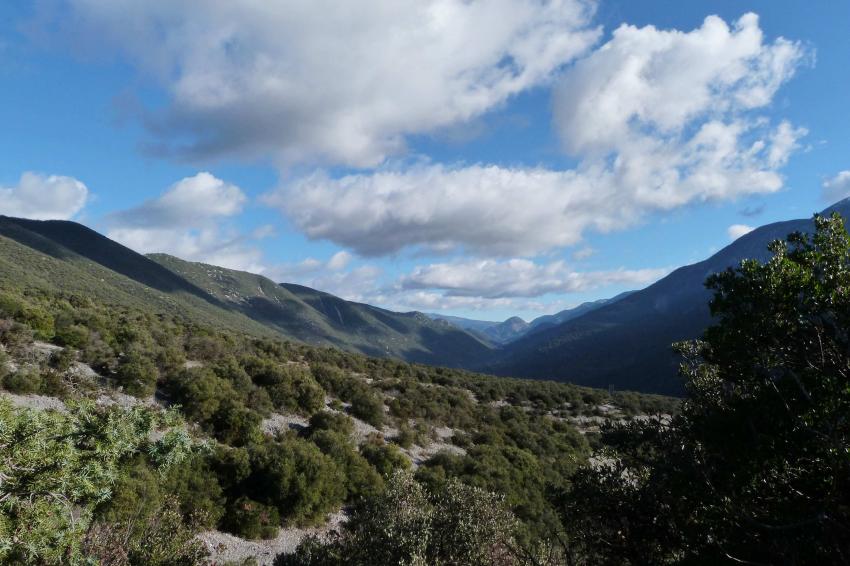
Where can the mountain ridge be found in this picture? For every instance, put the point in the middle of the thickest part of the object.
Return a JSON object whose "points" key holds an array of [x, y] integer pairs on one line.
{"points": [[59, 255], [627, 344]]}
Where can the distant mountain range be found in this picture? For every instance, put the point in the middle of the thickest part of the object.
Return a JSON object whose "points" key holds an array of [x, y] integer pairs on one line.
{"points": [[622, 342], [626, 343], [514, 328]]}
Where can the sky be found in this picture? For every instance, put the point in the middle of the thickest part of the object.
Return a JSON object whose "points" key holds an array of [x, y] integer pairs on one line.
{"points": [[481, 158]]}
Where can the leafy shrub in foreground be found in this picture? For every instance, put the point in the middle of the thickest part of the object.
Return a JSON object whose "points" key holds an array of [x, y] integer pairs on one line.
{"points": [[408, 525], [57, 467]]}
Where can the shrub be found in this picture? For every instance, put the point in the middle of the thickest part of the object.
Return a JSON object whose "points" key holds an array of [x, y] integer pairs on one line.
{"points": [[24, 381], [61, 360], [160, 538], [405, 437], [337, 422], [386, 458], [367, 406], [408, 525], [57, 467], [360, 477], [294, 476], [251, 519], [138, 375], [72, 336]]}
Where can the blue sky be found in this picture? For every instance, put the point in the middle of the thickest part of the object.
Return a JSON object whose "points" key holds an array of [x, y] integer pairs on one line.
{"points": [[483, 159]]}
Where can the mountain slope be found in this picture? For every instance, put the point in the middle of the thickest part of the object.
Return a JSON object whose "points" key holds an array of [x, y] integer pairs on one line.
{"points": [[66, 257], [320, 318], [550, 320], [627, 344]]}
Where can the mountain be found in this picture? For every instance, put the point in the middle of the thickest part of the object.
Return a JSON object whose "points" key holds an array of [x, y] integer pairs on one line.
{"points": [[73, 259], [468, 324], [626, 343], [491, 332], [319, 318], [65, 256], [550, 320], [505, 332]]}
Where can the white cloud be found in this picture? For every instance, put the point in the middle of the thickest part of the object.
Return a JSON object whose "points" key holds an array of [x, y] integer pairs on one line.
{"points": [[44, 197], [339, 260], [519, 278], [187, 221], [651, 83], [429, 301], [333, 80], [199, 198], [735, 231], [657, 120], [837, 187]]}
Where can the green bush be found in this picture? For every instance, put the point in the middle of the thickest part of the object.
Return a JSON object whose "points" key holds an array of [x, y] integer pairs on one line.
{"points": [[138, 375], [23, 381], [58, 466], [72, 336], [290, 387], [367, 406], [294, 476], [408, 525], [337, 422], [360, 477], [251, 519], [405, 437], [61, 360], [160, 538], [386, 458]]}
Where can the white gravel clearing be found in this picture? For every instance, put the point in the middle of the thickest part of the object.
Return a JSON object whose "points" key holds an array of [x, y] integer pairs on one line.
{"points": [[281, 422], [225, 547], [37, 402]]}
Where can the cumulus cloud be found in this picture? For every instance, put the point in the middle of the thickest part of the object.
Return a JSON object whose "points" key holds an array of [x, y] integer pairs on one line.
{"points": [[656, 119], [198, 198], [43, 197], [519, 278], [651, 83], [333, 80], [187, 221], [837, 187], [735, 231]]}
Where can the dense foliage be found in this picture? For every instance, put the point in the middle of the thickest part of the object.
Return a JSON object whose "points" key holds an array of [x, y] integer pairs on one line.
{"points": [[406, 524], [56, 468], [367, 418], [756, 469]]}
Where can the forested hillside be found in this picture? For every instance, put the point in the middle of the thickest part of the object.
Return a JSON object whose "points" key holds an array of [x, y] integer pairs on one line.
{"points": [[319, 318], [277, 434], [53, 255]]}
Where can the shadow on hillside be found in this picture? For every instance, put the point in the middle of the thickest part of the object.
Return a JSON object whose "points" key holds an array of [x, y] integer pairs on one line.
{"points": [[67, 241]]}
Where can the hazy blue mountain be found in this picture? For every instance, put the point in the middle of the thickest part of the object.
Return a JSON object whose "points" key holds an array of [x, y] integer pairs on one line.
{"points": [[627, 343], [514, 328], [550, 320]]}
